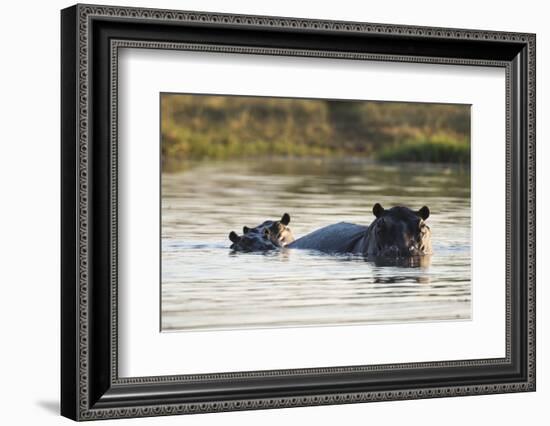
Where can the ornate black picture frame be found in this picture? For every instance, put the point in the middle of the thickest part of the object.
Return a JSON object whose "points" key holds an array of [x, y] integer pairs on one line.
{"points": [[91, 36]]}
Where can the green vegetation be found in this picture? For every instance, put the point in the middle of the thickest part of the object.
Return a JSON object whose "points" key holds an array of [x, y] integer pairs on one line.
{"points": [[435, 149], [196, 127]]}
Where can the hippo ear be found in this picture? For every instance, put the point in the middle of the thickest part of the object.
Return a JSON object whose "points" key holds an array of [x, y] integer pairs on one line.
{"points": [[285, 220], [246, 229], [234, 237], [378, 210], [424, 213]]}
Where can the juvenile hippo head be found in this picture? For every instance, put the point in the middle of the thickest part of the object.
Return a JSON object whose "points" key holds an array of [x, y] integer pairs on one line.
{"points": [[254, 240], [267, 236], [279, 231], [399, 232]]}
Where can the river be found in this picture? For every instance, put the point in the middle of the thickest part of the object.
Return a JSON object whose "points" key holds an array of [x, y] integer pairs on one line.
{"points": [[205, 286]]}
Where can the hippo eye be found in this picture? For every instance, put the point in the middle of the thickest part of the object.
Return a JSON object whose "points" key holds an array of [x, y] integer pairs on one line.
{"points": [[381, 226]]}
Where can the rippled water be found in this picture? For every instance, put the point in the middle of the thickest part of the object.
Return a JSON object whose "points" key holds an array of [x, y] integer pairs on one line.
{"points": [[205, 286]]}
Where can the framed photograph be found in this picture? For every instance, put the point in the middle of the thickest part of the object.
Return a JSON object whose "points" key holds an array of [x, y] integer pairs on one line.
{"points": [[263, 212]]}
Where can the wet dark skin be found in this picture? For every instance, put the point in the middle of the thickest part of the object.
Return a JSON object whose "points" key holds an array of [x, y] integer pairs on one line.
{"points": [[397, 232]]}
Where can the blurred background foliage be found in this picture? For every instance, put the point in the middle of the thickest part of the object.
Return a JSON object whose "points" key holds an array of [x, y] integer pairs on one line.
{"points": [[199, 127]]}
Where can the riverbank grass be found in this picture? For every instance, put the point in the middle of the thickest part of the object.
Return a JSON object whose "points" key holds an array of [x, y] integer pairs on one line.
{"points": [[434, 149]]}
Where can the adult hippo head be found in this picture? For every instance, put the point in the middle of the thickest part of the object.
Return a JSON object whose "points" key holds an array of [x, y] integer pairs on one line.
{"points": [[268, 235], [398, 232]]}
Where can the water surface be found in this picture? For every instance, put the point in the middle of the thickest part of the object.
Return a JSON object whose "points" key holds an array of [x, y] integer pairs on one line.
{"points": [[206, 286]]}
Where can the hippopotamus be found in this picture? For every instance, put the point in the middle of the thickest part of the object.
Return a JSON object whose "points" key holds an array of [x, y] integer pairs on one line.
{"points": [[396, 232], [269, 235]]}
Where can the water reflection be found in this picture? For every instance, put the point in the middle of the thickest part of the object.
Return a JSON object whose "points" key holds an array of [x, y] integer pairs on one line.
{"points": [[206, 286], [403, 262]]}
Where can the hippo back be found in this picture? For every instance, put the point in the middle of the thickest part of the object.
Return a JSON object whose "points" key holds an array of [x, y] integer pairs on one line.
{"points": [[338, 238]]}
